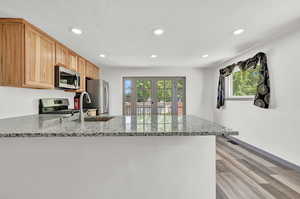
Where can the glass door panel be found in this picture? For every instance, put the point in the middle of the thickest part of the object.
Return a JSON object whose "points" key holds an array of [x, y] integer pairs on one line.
{"points": [[180, 90], [128, 97], [160, 96], [144, 97], [164, 96], [153, 95]]}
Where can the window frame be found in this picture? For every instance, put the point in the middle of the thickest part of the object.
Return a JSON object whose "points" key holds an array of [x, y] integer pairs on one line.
{"points": [[229, 89]]}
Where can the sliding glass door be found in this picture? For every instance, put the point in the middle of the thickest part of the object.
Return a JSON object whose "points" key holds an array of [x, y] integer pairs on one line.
{"points": [[153, 95]]}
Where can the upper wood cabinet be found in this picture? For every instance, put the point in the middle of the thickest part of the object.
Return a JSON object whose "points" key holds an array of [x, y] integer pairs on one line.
{"points": [[97, 72], [88, 70], [73, 60], [28, 57], [81, 70], [39, 59], [11, 54], [91, 71], [61, 55]]}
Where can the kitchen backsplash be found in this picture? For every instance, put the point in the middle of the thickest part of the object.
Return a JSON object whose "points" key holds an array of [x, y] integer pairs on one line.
{"points": [[22, 101]]}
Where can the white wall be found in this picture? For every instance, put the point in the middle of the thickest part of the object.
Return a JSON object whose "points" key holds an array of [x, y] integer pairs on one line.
{"points": [[276, 130], [23, 101], [198, 96]]}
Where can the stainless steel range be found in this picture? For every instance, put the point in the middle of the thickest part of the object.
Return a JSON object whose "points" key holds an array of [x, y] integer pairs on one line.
{"points": [[56, 106]]}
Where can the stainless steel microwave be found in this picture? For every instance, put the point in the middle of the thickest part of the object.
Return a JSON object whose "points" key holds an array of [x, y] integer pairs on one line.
{"points": [[66, 79]]}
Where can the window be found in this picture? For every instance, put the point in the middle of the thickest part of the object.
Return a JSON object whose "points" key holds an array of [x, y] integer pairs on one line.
{"points": [[243, 84]]}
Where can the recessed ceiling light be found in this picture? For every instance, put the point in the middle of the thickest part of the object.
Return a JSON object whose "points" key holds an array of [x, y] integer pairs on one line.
{"points": [[76, 31], [153, 56], [158, 31], [238, 31], [102, 55], [204, 56]]}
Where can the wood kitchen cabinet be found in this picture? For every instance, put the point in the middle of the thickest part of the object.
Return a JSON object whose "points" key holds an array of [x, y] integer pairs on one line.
{"points": [[11, 54], [89, 72], [65, 57], [39, 59], [97, 72], [28, 57], [73, 60], [81, 70], [61, 55], [92, 71]]}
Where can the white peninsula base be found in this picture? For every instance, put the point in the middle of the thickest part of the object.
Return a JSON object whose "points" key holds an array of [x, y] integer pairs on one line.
{"points": [[166, 167]]}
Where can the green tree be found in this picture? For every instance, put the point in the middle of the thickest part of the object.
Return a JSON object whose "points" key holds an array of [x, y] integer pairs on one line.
{"points": [[245, 82]]}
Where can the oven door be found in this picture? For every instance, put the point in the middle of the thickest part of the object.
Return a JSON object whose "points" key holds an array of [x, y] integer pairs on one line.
{"points": [[66, 79]]}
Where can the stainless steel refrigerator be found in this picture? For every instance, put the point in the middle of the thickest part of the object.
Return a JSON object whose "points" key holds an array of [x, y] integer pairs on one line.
{"points": [[99, 93]]}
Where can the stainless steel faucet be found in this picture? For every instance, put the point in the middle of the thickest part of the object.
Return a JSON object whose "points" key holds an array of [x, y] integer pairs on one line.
{"points": [[81, 115]]}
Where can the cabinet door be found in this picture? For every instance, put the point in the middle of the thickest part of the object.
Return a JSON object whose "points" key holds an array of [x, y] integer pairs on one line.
{"points": [[96, 73], [47, 62], [81, 70], [11, 54], [39, 60], [73, 61], [92, 71], [61, 55], [32, 44], [89, 70]]}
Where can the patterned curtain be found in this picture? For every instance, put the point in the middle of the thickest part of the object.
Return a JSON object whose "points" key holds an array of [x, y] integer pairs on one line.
{"points": [[262, 97]]}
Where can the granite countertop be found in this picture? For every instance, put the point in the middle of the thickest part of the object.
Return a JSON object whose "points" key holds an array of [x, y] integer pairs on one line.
{"points": [[148, 125]]}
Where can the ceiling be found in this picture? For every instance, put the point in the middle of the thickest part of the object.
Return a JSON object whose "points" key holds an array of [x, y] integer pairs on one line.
{"points": [[122, 29]]}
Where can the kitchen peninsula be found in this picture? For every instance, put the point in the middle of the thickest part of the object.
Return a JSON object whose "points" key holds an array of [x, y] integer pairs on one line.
{"points": [[132, 157]]}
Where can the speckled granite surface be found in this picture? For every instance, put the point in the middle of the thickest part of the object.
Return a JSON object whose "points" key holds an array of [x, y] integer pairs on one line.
{"points": [[155, 125]]}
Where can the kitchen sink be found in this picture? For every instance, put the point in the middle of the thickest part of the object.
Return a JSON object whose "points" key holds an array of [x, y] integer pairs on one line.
{"points": [[98, 118]]}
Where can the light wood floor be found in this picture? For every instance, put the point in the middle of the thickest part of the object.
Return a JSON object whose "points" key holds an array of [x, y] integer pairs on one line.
{"points": [[243, 174]]}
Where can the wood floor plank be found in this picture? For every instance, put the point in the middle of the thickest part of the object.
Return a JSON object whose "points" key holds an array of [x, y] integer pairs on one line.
{"points": [[228, 184], [242, 168], [248, 180], [281, 187], [246, 153], [284, 188], [255, 168], [278, 169], [229, 191], [290, 178], [245, 190], [230, 151], [276, 163], [275, 183], [267, 180], [220, 194], [275, 192], [221, 166], [218, 157], [235, 151], [263, 159]]}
